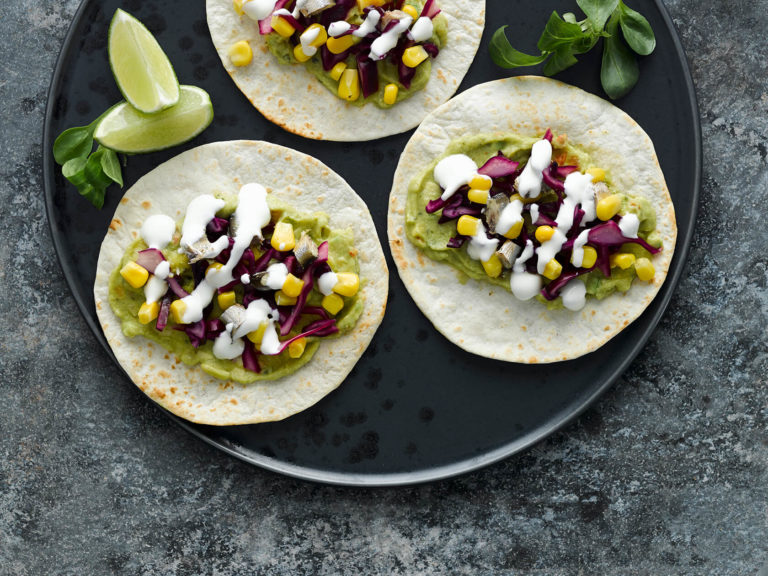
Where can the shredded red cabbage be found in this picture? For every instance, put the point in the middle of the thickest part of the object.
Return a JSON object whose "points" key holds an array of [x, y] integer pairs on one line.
{"points": [[250, 358], [322, 258], [315, 311], [609, 234], [456, 242], [265, 26], [330, 59], [548, 134], [162, 316], [216, 228], [195, 332], [175, 287], [435, 205], [263, 262], [431, 49], [551, 181], [320, 328], [149, 259], [563, 171], [552, 290], [369, 75], [498, 167], [430, 9]]}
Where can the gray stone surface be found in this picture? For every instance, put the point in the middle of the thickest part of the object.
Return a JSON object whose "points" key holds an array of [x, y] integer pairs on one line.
{"points": [[667, 474]]}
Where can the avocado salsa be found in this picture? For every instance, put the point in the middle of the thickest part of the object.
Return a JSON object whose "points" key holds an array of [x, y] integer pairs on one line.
{"points": [[612, 231], [320, 315], [363, 51]]}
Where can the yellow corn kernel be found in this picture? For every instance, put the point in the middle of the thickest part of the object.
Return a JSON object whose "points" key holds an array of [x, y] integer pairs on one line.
{"points": [[598, 174], [299, 54], [347, 284], [282, 27], [322, 35], [467, 225], [544, 233], [226, 299], [240, 53], [644, 269], [622, 260], [148, 312], [341, 44], [514, 230], [608, 207], [292, 286], [411, 11], [283, 239], [257, 335], [238, 6], [390, 94], [552, 270], [338, 70], [282, 299], [134, 274], [481, 182], [296, 348], [361, 4], [590, 257], [478, 196], [492, 266], [177, 311], [349, 85], [333, 303], [213, 266], [414, 56]]}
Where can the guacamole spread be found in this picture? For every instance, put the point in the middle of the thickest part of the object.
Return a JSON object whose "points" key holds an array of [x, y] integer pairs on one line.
{"points": [[385, 81], [437, 219], [192, 347]]}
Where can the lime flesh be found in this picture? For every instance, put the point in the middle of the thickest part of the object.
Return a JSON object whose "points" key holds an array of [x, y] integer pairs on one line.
{"points": [[140, 67], [125, 129]]}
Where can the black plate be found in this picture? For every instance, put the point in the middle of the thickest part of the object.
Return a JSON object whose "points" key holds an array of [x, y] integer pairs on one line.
{"points": [[415, 408]]}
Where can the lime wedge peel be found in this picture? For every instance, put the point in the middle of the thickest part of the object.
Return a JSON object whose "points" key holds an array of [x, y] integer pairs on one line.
{"points": [[141, 69], [129, 131]]}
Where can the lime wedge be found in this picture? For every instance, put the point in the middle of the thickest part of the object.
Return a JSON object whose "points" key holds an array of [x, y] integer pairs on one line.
{"points": [[141, 69], [125, 129]]}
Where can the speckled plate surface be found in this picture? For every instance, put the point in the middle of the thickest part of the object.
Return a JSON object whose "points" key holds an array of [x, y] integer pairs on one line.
{"points": [[415, 408]]}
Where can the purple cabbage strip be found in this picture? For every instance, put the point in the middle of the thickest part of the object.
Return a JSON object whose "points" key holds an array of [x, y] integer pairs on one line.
{"points": [[265, 26], [162, 317], [430, 9], [454, 212], [404, 73], [552, 290], [213, 328], [293, 265], [195, 332], [551, 181], [293, 22], [337, 12], [456, 242], [435, 205], [431, 49], [149, 259], [216, 228], [262, 263], [498, 167], [176, 288], [609, 234], [330, 59], [317, 327], [578, 214], [544, 220], [250, 358], [563, 171], [316, 311], [322, 258], [548, 134], [249, 296], [369, 75]]}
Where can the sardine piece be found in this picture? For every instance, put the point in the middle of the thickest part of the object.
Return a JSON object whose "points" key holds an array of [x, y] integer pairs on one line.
{"points": [[601, 190], [234, 315], [508, 253], [493, 210], [201, 250], [312, 7], [305, 250], [257, 280]]}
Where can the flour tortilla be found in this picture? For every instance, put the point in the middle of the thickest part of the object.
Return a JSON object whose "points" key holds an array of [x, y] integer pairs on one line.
{"points": [[488, 320], [292, 97], [307, 185]]}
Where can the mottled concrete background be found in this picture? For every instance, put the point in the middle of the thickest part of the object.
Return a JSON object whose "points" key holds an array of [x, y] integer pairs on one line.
{"points": [[667, 474]]}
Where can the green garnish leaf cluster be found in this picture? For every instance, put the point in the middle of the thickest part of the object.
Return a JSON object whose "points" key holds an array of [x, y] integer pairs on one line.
{"points": [[91, 172], [564, 37]]}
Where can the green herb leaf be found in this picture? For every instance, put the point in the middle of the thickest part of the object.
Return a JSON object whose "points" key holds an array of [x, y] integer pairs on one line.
{"points": [[637, 31], [505, 56], [597, 11], [110, 164], [72, 143], [561, 59], [94, 195], [74, 171], [94, 172], [558, 33], [619, 72]]}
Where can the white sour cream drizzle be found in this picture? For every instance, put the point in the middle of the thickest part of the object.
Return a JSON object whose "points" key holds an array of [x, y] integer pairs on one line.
{"points": [[252, 214], [529, 182], [481, 247], [276, 275], [422, 29], [388, 40], [574, 295], [629, 225], [326, 283], [524, 285], [369, 24], [453, 172], [577, 254], [578, 192], [257, 313], [534, 208], [245, 279], [157, 231], [200, 211], [511, 215], [306, 39], [260, 9], [338, 28]]}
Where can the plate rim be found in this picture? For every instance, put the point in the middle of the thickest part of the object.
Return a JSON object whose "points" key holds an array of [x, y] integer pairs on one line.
{"points": [[435, 473]]}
